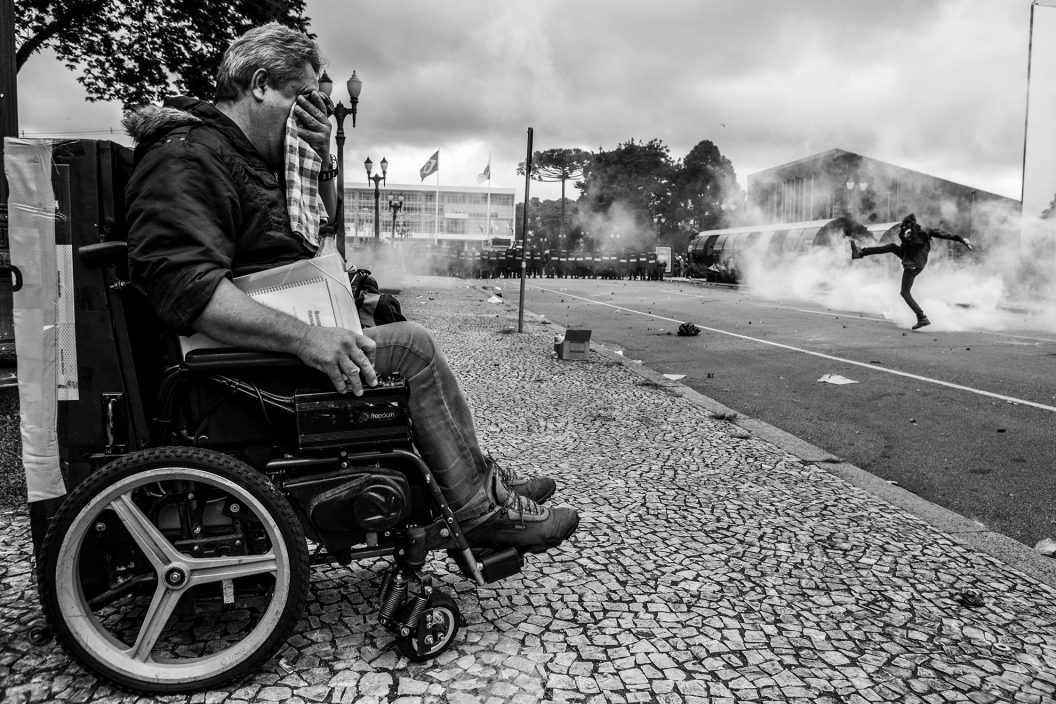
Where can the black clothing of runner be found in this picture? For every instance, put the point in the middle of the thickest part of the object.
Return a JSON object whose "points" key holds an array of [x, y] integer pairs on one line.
{"points": [[913, 248]]}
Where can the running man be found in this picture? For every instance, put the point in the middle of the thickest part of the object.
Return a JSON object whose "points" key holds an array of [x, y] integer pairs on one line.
{"points": [[913, 248]]}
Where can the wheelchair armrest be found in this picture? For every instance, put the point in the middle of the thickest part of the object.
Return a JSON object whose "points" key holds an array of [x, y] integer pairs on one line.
{"points": [[229, 359], [103, 251]]}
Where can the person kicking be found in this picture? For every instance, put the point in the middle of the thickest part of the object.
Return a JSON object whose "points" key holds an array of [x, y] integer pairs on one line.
{"points": [[912, 248]]}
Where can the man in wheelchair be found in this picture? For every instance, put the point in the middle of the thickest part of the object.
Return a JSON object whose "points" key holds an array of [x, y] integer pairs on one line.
{"points": [[205, 203], [216, 506]]}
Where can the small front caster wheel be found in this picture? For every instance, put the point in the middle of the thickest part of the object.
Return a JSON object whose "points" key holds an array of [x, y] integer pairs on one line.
{"points": [[435, 630], [40, 634]]}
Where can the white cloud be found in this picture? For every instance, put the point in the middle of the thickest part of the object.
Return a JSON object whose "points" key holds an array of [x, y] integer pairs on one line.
{"points": [[933, 85]]}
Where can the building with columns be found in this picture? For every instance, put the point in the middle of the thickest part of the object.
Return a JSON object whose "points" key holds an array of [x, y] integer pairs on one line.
{"points": [[462, 218], [838, 183]]}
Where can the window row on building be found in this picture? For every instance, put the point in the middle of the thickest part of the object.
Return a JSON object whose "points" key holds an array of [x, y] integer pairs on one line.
{"points": [[469, 215]]}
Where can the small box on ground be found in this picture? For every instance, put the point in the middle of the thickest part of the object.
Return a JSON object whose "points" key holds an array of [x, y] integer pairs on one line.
{"points": [[575, 345]]}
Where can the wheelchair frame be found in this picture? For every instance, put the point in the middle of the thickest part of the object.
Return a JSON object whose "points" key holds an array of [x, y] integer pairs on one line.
{"points": [[201, 518]]}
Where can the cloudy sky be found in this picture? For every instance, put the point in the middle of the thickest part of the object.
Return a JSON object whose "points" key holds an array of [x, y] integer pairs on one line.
{"points": [[939, 86]]}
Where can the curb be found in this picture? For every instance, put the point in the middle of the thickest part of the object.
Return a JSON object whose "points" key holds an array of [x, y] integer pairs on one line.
{"points": [[1010, 552]]}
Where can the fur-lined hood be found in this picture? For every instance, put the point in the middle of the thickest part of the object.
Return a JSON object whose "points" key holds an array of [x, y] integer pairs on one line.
{"points": [[152, 124], [150, 121]]}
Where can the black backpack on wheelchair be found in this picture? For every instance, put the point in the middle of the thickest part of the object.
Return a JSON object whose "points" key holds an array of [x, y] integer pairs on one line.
{"points": [[201, 490]]}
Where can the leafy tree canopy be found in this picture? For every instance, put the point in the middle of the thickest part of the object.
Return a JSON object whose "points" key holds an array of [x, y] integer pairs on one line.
{"points": [[557, 164], [138, 51], [636, 174], [704, 188], [1050, 210], [545, 222]]}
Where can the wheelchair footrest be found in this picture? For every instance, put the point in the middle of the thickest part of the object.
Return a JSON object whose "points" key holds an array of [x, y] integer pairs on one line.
{"points": [[494, 564], [500, 564]]}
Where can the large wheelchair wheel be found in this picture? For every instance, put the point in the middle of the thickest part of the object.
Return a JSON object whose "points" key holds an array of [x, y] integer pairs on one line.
{"points": [[173, 569]]}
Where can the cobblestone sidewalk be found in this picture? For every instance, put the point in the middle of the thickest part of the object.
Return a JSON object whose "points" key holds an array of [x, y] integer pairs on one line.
{"points": [[709, 566]]}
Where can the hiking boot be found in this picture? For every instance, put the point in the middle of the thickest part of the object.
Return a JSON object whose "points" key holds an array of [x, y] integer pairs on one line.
{"points": [[538, 489], [525, 525], [921, 322], [856, 251]]}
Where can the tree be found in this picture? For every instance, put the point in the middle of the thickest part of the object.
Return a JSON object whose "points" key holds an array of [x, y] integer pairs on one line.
{"points": [[636, 175], [558, 165], [545, 222], [1050, 210], [138, 51], [703, 188]]}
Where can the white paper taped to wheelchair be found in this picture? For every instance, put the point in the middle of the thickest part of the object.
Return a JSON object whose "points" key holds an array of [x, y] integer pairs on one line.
{"points": [[44, 344]]}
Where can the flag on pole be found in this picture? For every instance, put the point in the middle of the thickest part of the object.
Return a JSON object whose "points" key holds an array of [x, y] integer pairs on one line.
{"points": [[485, 175], [431, 166]]}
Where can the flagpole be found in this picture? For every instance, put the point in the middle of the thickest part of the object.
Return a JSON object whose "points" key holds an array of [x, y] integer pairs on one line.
{"points": [[488, 220], [436, 219]]}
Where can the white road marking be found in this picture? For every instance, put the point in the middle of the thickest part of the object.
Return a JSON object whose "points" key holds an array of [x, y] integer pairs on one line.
{"points": [[1019, 337], [857, 316], [917, 377], [865, 317]]}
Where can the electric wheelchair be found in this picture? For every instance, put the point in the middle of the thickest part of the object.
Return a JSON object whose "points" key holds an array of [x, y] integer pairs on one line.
{"points": [[202, 489]]}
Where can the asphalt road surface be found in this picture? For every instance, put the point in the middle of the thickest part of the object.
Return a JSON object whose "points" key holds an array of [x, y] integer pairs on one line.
{"points": [[966, 420]]}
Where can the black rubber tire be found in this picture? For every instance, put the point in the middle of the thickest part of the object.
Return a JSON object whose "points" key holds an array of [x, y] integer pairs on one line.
{"points": [[440, 604], [60, 590]]}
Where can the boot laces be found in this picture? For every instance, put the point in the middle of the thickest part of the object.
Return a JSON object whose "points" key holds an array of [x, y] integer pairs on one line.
{"points": [[522, 505], [507, 475]]}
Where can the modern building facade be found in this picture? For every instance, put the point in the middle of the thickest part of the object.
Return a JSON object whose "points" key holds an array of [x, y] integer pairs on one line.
{"points": [[465, 216], [838, 183]]}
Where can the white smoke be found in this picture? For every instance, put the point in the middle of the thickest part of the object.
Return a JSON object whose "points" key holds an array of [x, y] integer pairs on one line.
{"points": [[388, 261], [1004, 284], [617, 229]]}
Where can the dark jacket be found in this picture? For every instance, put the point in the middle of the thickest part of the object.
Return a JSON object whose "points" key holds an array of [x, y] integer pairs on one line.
{"points": [[916, 244], [202, 205]]}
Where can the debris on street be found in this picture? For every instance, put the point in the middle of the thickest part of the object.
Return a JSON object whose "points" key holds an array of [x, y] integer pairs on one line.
{"points": [[1046, 547], [688, 329], [836, 379]]}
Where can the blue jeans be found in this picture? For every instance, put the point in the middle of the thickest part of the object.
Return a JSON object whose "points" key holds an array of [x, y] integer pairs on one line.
{"points": [[441, 420]]}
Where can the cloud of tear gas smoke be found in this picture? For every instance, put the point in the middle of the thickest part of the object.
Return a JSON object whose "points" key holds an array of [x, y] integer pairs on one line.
{"points": [[1004, 284], [617, 229], [389, 263]]}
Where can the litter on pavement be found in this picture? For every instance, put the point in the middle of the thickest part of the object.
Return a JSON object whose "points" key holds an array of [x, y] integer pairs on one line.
{"points": [[1046, 547], [836, 379]]}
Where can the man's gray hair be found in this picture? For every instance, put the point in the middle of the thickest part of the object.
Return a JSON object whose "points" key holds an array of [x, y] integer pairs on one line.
{"points": [[279, 50]]}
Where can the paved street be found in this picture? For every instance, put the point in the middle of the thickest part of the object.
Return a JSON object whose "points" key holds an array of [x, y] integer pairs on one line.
{"points": [[710, 566], [960, 416]]}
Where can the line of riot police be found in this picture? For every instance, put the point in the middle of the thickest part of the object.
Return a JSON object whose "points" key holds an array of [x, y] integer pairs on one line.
{"points": [[550, 263]]}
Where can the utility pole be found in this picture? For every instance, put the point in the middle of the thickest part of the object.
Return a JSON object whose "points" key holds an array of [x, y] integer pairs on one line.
{"points": [[8, 93]]}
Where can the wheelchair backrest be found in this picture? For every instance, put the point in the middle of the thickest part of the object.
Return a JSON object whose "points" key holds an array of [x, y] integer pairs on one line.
{"points": [[79, 388]]}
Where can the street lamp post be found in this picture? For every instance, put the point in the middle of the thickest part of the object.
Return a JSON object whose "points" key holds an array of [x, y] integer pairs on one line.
{"points": [[659, 221], [377, 179], [395, 205], [861, 186], [354, 86]]}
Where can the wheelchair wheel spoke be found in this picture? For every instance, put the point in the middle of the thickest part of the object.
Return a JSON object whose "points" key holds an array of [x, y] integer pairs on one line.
{"points": [[157, 616], [156, 546], [203, 571]]}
